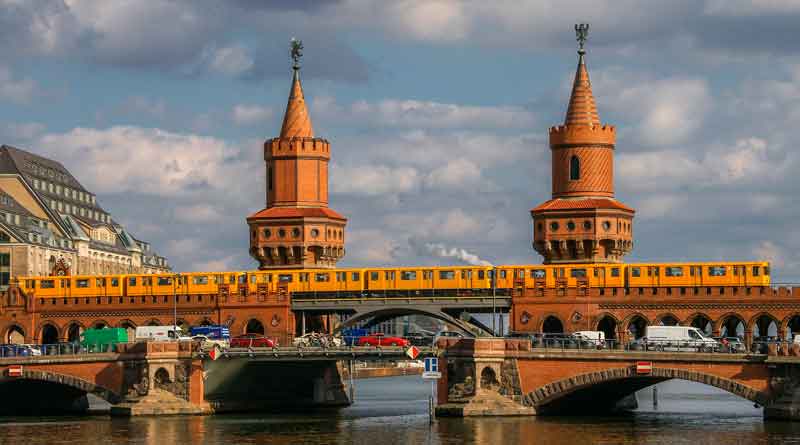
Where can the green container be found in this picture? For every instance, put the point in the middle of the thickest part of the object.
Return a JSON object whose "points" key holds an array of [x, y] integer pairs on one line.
{"points": [[103, 340]]}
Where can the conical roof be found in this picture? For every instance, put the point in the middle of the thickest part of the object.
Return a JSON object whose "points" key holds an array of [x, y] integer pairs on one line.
{"points": [[582, 109], [296, 121]]}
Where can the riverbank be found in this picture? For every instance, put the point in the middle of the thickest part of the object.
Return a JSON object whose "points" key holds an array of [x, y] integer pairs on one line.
{"points": [[371, 373]]}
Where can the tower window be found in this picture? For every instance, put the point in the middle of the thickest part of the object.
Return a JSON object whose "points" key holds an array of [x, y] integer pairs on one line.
{"points": [[574, 168]]}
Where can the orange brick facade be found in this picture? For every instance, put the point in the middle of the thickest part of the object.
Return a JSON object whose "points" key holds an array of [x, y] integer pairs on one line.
{"points": [[296, 229], [582, 223]]}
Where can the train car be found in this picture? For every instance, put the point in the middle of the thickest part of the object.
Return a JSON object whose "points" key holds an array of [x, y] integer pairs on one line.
{"points": [[698, 274]]}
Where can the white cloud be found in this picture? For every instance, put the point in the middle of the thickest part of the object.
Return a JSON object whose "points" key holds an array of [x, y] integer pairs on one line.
{"points": [[149, 160], [370, 246], [231, 60], [767, 250], [372, 180], [455, 174], [21, 91], [197, 213], [244, 115], [439, 250]]}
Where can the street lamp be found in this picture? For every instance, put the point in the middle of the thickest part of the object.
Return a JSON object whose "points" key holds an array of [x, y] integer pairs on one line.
{"points": [[175, 279]]}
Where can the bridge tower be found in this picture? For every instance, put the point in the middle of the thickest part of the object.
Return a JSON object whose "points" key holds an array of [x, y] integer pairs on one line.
{"points": [[296, 229], [582, 223]]}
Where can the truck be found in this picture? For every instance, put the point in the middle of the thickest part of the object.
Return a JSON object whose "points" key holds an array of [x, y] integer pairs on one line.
{"points": [[593, 338], [678, 338], [159, 333], [103, 340], [212, 332]]}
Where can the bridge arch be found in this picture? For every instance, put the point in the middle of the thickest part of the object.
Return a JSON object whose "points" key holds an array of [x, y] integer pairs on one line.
{"points": [[762, 322], [254, 326], [73, 385], [560, 395], [700, 321], [73, 331], [667, 319], [130, 328], [790, 325], [608, 324], [389, 313], [153, 322], [100, 324], [731, 325], [551, 324], [635, 324], [48, 333], [14, 334]]}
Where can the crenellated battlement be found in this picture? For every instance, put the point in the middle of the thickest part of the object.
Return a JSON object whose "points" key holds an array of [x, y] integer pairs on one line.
{"points": [[582, 134], [296, 147]]}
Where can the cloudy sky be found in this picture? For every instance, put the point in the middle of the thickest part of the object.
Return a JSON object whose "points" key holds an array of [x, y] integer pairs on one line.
{"points": [[437, 112]]}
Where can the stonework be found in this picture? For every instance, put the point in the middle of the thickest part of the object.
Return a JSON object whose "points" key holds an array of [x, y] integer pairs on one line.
{"points": [[582, 223], [296, 229]]}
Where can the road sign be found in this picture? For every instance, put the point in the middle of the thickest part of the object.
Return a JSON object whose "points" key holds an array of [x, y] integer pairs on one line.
{"points": [[644, 367], [431, 364], [14, 371], [412, 352], [214, 353], [431, 375]]}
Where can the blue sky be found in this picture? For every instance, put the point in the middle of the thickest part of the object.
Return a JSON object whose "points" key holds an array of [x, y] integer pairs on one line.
{"points": [[437, 112]]}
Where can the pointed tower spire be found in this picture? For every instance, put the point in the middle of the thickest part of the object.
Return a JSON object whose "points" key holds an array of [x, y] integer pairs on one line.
{"points": [[296, 121], [582, 109]]}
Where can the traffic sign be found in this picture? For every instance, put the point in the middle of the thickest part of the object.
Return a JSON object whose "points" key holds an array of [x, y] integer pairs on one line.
{"points": [[412, 352], [644, 367], [431, 364], [14, 371], [431, 375], [214, 353]]}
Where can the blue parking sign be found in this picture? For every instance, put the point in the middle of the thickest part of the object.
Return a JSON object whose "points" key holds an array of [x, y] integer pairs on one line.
{"points": [[431, 364]]}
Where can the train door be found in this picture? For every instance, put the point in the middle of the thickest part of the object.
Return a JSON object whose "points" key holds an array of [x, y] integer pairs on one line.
{"points": [[427, 280], [390, 280], [696, 275], [466, 278], [739, 275], [66, 288], [600, 275]]}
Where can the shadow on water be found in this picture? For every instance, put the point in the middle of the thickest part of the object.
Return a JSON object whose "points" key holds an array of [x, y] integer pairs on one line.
{"points": [[393, 411]]}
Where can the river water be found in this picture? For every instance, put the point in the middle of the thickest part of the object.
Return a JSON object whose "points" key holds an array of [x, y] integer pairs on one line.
{"points": [[394, 411]]}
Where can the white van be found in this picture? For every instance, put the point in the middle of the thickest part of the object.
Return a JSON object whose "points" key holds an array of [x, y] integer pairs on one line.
{"points": [[678, 338], [596, 338], [158, 333]]}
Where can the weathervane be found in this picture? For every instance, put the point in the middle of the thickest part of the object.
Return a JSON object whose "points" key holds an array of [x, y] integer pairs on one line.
{"points": [[296, 52], [582, 33]]}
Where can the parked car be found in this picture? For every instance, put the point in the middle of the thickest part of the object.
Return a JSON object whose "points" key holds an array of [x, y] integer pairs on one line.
{"points": [[731, 344], [382, 340], [252, 341], [419, 339]]}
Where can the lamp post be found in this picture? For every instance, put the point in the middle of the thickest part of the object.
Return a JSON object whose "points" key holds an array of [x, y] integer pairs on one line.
{"points": [[175, 280]]}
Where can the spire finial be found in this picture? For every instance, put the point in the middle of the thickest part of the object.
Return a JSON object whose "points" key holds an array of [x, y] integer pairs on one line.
{"points": [[582, 34], [296, 52]]}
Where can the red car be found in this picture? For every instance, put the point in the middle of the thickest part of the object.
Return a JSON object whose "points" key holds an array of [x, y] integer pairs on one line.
{"points": [[382, 340], [252, 341]]}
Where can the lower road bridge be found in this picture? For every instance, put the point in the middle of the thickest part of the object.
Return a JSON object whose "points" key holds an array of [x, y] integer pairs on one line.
{"points": [[177, 378], [508, 377]]}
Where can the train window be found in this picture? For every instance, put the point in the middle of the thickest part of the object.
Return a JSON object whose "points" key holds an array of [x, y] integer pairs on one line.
{"points": [[164, 281], [303, 277], [388, 274], [47, 284], [537, 273], [467, 274], [596, 271], [285, 278], [577, 273], [446, 274], [65, 283], [755, 271], [147, 281], [408, 275], [132, 281], [268, 278], [427, 274], [355, 276], [636, 272], [481, 274], [253, 279], [322, 277], [82, 283], [341, 276], [199, 279], [242, 279], [735, 270], [716, 271], [766, 270], [615, 271], [115, 282], [231, 279], [100, 282], [502, 274], [520, 273], [673, 271], [30, 284], [373, 276]]}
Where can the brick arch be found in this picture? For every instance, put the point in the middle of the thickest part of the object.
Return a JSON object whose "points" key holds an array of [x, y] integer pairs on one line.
{"points": [[785, 322], [38, 333], [750, 325], [9, 327], [67, 380], [718, 322], [95, 322], [688, 320], [547, 315], [627, 320], [664, 315], [553, 391]]}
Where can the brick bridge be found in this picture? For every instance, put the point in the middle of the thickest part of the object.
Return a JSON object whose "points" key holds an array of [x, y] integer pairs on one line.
{"points": [[508, 377]]}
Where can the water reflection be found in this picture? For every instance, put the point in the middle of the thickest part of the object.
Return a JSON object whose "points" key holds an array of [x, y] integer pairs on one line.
{"points": [[392, 411]]}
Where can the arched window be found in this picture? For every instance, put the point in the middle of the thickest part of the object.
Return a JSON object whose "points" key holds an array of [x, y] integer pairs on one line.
{"points": [[574, 168]]}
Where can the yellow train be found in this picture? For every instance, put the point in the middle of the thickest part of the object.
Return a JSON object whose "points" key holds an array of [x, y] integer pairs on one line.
{"points": [[421, 281]]}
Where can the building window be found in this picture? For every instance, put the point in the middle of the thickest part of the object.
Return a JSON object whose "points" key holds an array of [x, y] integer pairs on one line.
{"points": [[296, 232], [281, 233], [574, 168], [587, 225], [314, 233], [571, 226], [606, 225], [554, 226]]}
